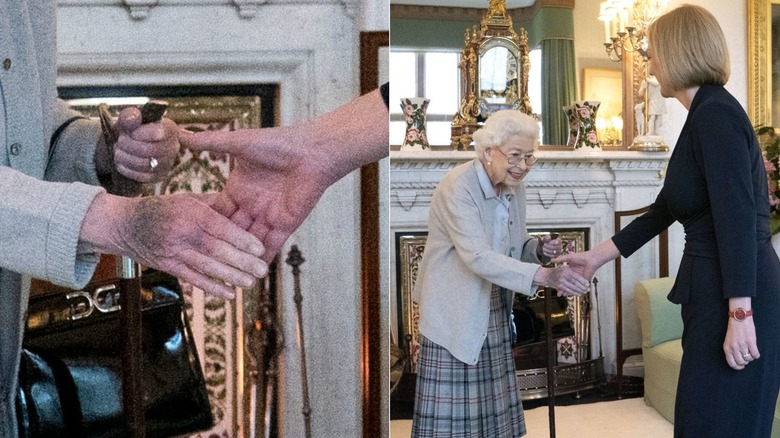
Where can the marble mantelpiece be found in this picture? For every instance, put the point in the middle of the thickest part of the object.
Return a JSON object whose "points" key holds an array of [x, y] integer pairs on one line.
{"points": [[566, 189]]}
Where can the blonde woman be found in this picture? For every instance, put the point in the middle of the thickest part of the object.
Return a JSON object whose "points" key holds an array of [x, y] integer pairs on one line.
{"points": [[728, 283]]}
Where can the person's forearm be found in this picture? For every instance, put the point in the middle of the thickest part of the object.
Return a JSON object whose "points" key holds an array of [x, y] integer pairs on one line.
{"points": [[605, 252], [352, 135]]}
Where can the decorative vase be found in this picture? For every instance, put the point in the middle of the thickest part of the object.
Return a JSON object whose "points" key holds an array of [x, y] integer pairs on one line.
{"points": [[586, 112], [574, 124], [414, 109]]}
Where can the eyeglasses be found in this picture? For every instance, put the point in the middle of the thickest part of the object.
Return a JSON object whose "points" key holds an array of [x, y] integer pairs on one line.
{"points": [[514, 158]]}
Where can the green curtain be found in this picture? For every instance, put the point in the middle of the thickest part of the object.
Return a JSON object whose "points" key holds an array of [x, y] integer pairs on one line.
{"points": [[558, 88]]}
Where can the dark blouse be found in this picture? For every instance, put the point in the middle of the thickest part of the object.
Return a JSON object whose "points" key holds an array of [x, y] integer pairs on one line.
{"points": [[716, 186]]}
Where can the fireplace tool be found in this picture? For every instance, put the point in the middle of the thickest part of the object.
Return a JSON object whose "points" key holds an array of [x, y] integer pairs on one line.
{"points": [[598, 314], [264, 342], [295, 259]]}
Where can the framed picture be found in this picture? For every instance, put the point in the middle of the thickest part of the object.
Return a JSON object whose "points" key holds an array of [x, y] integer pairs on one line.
{"points": [[606, 86]]}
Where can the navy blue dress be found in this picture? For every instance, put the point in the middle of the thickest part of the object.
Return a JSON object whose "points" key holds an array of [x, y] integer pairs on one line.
{"points": [[716, 187]]}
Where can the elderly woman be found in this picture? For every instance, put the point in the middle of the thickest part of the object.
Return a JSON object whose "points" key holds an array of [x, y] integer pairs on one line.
{"points": [[477, 255], [728, 282]]}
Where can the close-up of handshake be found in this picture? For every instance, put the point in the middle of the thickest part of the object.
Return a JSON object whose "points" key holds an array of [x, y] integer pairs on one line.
{"points": [[212, 241]]}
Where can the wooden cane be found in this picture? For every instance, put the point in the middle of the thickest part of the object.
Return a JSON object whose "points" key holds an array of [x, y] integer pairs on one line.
{"points": [[129, 273], [551, 350]]}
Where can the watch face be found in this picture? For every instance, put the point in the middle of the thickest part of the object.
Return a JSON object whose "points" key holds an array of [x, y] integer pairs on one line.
{"points": [[740, 314]]}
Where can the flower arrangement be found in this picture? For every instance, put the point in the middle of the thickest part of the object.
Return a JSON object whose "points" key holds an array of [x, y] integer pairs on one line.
{"points": [[770, 146]]}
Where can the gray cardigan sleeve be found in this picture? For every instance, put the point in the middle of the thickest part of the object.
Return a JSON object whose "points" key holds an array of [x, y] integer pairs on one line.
{"points": [[40, 224], [461, 217], [72, 152]]}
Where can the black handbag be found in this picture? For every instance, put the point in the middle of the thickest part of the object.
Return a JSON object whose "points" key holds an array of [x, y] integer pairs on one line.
{"points": [[70, 379]]}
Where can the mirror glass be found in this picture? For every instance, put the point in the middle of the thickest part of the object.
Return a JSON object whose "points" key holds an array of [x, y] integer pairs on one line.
{"points": [[497, 73], [498, 79]]}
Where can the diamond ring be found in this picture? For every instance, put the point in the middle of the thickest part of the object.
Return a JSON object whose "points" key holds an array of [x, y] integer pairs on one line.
{"points": [[153, 163]]}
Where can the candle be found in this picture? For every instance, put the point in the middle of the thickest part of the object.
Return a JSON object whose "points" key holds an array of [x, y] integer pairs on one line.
{"points": [[623, 20], [606, 30]]}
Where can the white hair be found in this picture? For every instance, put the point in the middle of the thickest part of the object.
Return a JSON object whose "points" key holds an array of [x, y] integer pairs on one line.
{"points": [[503, 124]]}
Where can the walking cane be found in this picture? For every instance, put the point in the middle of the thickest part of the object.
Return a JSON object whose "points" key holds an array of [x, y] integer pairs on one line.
{"points": [[129, 273], [551, 350]]}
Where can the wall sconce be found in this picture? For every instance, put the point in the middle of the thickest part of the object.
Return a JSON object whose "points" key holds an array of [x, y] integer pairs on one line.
{"points": [[625, 22]]}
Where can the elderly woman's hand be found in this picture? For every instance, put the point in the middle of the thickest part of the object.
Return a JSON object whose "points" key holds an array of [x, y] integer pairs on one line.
{"points": [[145, 153], [551, 247], [178, 234], [564, 279]]}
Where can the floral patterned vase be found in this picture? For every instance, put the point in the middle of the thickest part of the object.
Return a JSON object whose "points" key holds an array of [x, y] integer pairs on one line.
{"points": [[414, 109], [574, 124], [586, 112]]}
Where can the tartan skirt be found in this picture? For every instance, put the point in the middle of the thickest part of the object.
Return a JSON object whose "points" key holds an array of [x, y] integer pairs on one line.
{"points": [[454, 399]]}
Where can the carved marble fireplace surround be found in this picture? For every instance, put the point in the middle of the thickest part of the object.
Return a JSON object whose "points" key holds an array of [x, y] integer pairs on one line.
{"points": [[566, 189]]}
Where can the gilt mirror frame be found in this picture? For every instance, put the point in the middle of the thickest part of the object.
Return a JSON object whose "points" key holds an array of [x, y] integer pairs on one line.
{"points": [[759, 65]]}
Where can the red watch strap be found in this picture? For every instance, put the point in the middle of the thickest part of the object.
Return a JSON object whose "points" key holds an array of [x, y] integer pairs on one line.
{"points": [[740, 314]]}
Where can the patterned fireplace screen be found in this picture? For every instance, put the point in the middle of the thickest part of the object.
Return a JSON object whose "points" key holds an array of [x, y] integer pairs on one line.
{"points": [[570, 316]]}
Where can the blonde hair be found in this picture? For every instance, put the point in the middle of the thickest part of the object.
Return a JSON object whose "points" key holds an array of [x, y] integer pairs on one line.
{"points": [[503, 124], [689, 47]]}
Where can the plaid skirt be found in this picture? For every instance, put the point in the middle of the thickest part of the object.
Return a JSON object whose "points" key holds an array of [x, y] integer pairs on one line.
{"points": [[455, 399]]}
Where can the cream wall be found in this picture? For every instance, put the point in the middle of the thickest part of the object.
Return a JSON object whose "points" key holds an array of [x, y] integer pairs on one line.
{"points": [[732, 16]]}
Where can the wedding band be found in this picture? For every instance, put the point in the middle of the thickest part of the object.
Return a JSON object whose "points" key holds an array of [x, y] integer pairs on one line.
{"points": [[153, 163], [746, 356]]}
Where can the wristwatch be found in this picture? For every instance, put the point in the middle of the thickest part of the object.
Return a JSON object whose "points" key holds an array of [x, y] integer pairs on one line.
{"points": [[740, 314]]}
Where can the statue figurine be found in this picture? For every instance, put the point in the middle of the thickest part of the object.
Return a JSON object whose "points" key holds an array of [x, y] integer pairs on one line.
{"points": [[497, 8], [656, 105], [651, 110]]}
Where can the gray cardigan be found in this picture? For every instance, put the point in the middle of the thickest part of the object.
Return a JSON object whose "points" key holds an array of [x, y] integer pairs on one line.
{"points": [[459, 266], [40, 221]]}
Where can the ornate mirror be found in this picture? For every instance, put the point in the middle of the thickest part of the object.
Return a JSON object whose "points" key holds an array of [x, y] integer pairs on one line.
{"points": [[763, 68], [494, 70]]}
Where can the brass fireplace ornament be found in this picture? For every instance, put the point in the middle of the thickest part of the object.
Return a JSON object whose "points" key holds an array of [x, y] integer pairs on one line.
{"points": [[494, 73]]}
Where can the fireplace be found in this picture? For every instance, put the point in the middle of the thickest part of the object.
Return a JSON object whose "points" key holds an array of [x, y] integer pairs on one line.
{"points": [[575, 369]]}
